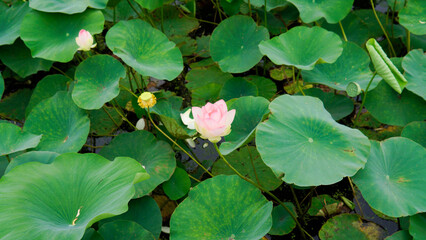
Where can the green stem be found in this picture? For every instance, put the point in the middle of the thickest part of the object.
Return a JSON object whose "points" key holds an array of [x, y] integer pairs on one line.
{"points": [[131, 92], [135, 79], [109, 115], [8, 158], [356, 199], [175, 143], [201, 20], [303, 232], [139, 15], [162, 18], [249, 5], [90, 146], [343, 31], [363, 99], [383, 29], [252, 164], [123, 117], [193, 178], [62, 72], [299, 209], [296, 80]]}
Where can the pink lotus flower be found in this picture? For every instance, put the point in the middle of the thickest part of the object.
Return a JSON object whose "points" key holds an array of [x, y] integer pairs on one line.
{"points": [[84, 40], [213, 121]]}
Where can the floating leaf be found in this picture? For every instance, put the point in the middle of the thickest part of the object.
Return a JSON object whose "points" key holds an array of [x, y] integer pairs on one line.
{"points": [[291, 48], [178, 185], [13, 139], [11, 19], [417, 226], [64, 126], [52, 35], [415, 131], [266, 87], [66, 6], [282, 222], [145, 48], [33, 156], [384, 66], [249, 163], [391, 186], [124, 230], [415, 67], [400, 235], [13, 106], [237, 87], [97, 80], [351, 66], [156, 156], [333, 10], [234, 43], [413, 18], [248, 213], [67, 196], [318, 150]]}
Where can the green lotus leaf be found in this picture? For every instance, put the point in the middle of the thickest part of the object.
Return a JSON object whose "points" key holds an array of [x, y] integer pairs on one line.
{"points": [[391, 108], [391, 186], [47, 88], [318, 150], [415, 131], [67, 196], [150, 4], [396, 5], [1, 86], [384, 66], [97, 80], [338, 106], [412, 17], [249, 113], [121, 11], [66, 6], [124, 230], [282, 222], [414, 66], [91, 234], [143, 211], [333, 10], [400, 235], [249, 163], [174, 24], [11, 19], [234, 43], [52, 36], [349, 226], [156, 156], [145, 48], [13, 106], [101, 123], [319, 202], [203, 46], [187, 45], [64, 126], [178, 185], [351, 66], [266, 87], [33, 156], [248, 213], [303, 47], [18, 58], [237, 87], [231, 7], [417, 226], [13, 139]]}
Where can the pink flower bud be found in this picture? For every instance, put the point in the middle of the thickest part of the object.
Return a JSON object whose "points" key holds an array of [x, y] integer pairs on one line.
{"points": [[84, 40], [213, 121]]}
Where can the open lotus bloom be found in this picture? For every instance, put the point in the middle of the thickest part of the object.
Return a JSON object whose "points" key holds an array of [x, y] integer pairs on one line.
{"points": [[213, 121], [84, 40]]}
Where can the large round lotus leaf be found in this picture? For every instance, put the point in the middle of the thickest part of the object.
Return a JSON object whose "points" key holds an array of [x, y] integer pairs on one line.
{"points": [[351, 66], [248, 213], [18, 58], [66, 6], [391, 108], [97, 80], [156, 156], [417, 226], [11, 19], [60, 200], [338, 106], [391, 186], [266, 87], [146, 49], [412, 17], [303, 47], [282, 222], [33, 156], [249, 113], [415, 68], [64, 126], [124, 230], [13, 139], [237, 87], [52, 35], [46, 88], [318, 150], [332, 10], [415, 131], [178, 185], [143, 211], [249, 163], [400, 235], [13, 106], [1, 86], [234, 43], [347, 226], [101, 123]]}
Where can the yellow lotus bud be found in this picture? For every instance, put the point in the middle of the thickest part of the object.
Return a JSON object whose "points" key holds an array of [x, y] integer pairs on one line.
{"points": [[146, 100]]}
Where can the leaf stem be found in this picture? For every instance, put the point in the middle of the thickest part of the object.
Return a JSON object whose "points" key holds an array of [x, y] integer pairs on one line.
{"points": [[354, 193], [343, 31], [62, 72], [123, 117], [110, 117], [296, 80], [383, 29], [8, 158], [363, 99], [193, 178], [131, 92], [299, 209]]}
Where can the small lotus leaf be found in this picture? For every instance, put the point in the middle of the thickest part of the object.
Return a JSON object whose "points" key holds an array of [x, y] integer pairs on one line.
{"points": [[332, 10], [11, 19], [266, 87], [124, 230], [174, 24], [391, 186], [13, 106], [178, 185], [13, 139], [66, 6], [318, 150], [415, 69], [417, 226], [150, 4], [145, 48], [248, 213], [234, 43], [237, 87], [415, 131], [101, 123], [400, 235], [412, 16], [282, 222], [33, 156], [303, 47]]}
